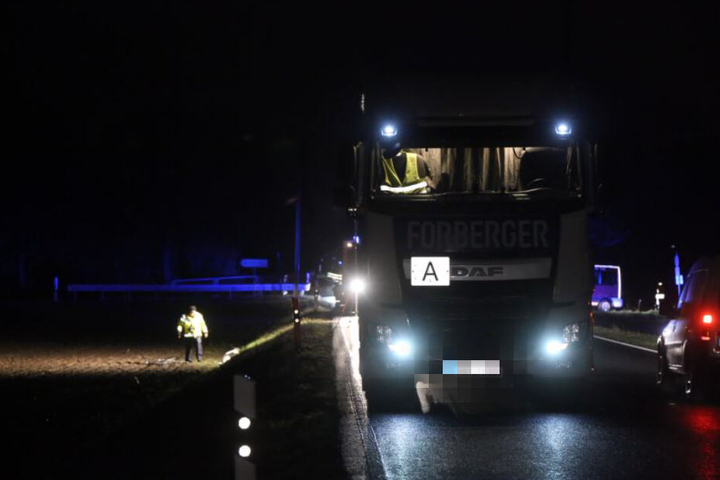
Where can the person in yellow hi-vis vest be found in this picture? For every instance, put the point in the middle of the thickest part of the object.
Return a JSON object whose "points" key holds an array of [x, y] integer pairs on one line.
{"points": [[191, 328], [405, 173]]}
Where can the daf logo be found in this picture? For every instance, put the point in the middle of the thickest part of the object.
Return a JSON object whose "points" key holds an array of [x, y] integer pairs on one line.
{"points": [[462, 272]]}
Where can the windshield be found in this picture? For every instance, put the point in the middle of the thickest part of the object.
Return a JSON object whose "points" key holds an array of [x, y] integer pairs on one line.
{"points": [[475, 170]]}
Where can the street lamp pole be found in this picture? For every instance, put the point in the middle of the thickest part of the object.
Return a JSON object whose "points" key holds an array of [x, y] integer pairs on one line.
{"points": [[297, 246]]}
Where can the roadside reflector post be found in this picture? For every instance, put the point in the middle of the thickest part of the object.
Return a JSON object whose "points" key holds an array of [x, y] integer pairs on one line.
{"points": [[297, 328], [244, 402]]}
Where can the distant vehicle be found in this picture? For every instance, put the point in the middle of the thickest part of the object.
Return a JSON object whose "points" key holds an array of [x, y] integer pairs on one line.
{"points": [[690, 343], [607, 293]]}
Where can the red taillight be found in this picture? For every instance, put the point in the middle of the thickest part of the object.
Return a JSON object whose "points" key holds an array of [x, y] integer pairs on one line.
{"points": [[707, 319]]}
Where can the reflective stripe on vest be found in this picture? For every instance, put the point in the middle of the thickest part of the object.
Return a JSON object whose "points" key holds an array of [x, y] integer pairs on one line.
{"points": [[414, 188]]}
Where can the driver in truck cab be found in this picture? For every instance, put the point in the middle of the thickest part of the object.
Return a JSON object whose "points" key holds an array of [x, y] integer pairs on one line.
{"points": [[405, 172]]}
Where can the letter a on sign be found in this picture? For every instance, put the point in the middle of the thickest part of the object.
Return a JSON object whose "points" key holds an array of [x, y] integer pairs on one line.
{"points": [[430, 271]]}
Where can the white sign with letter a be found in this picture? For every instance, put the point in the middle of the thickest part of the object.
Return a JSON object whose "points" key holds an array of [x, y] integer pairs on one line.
{"points": [[430, 271]]}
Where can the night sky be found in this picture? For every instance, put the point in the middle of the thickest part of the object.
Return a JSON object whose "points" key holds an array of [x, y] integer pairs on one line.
{"points": [[141, 130]]}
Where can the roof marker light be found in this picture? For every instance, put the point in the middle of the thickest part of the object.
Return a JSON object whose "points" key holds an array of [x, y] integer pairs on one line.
{"points": [[389, 130], [563, 129]]}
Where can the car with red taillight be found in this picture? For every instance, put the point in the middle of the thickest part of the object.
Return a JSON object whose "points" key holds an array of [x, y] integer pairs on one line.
{"points": [[689, 345]]}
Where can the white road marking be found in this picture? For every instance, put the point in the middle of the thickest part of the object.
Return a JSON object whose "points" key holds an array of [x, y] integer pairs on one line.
{"points": [[625, 344], [359, 444]]}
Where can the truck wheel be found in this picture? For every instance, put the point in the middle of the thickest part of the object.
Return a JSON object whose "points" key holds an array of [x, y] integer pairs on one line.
{"points": [[604, 305]]}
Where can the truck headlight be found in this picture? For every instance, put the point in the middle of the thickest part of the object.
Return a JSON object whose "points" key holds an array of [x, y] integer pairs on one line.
{"points": [[401, 348], [385, 335], [553, 347], [357, 285]]}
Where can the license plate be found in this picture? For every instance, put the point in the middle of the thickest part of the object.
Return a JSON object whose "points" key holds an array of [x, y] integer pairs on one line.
{"points": [[471, 367], [430, 271]]}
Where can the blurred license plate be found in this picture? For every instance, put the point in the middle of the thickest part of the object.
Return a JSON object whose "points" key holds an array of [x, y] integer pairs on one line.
{"points": [[430, 271], [471, 367]]}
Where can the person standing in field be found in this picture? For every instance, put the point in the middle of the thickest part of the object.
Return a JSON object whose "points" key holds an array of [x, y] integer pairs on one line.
{"points": [[191, 329]]}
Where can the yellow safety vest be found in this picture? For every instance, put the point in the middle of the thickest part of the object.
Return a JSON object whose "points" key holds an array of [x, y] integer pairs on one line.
{"points": [[191, 327], [184, 327], [412, 176]]}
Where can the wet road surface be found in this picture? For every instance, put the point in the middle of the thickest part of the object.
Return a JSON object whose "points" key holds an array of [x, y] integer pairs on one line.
{"points": [[618, 425]]}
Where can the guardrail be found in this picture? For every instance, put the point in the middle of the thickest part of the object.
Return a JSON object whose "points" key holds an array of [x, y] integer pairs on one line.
{"points": [[213, 280]]}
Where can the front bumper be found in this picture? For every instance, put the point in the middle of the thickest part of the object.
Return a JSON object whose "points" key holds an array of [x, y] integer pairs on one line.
{"points": [[503, 367]]}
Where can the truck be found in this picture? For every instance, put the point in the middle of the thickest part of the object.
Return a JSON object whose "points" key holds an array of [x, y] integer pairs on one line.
{"points": [[607, 292], [477, 276]]}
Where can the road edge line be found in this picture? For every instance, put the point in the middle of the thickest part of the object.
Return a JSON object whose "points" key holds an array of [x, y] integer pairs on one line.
{"points": [[625, 344], [374, 467]]}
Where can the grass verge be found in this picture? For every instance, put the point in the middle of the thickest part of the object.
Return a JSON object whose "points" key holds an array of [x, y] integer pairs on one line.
{"points": [[298, 418], [294, 435], [74, 375]]}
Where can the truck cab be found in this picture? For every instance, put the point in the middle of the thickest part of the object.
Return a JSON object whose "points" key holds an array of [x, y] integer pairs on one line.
{"points": [[480, 272]]}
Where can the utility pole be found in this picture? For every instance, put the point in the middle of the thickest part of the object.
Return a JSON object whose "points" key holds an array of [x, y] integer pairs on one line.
{"points": [[297, 246]]}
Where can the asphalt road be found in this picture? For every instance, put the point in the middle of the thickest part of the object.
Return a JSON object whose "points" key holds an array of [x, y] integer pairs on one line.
{"points": [[617, 425]]}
